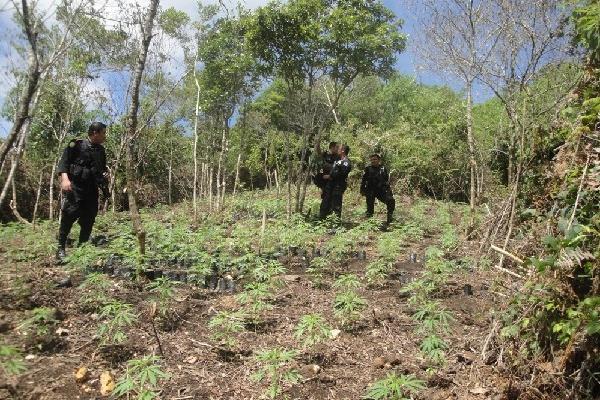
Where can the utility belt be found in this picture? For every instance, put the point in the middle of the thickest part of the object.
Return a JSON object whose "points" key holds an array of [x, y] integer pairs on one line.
{"points": [[82, 174], [79, 173], [336, 185], [377, 188]]}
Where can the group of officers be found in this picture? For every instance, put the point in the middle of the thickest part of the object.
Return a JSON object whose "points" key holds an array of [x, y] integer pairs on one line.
{"points": [[332, 180], [82, 170]]}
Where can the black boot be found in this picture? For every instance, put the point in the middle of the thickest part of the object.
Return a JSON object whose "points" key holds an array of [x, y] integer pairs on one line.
{"points": [[61, 254]]}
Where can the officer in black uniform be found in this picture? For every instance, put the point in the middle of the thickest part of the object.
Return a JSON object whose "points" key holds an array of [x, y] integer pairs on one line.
{"points": [[327, 164], [335, 187], [375, 185], [82, 170]]}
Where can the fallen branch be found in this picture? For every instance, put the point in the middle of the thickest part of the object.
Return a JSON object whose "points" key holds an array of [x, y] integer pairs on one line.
{"points": [[508, 271], [507, 254], [587, 164], [488, 339]]}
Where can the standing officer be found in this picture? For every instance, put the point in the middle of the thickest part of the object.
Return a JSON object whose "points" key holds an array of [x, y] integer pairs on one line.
{"points": [[82, 170], [375, 185], [327, 164], [336, 184]]}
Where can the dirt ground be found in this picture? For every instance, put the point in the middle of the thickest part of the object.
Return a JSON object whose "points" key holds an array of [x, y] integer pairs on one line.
{"points": [[383, 340]]}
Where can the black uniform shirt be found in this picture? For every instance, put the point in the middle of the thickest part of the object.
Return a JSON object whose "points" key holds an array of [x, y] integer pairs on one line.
{"points": [[84, 162], [375, 179], [339, 173], [328, 161]]}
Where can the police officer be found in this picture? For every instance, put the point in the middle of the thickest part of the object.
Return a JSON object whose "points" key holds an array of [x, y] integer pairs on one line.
{"points": [[375, 185], [327, 164], [336, 184], [82, 170]]}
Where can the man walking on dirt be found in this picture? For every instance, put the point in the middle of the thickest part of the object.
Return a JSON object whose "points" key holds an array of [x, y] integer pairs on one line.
{"points": [[336, 184], [375, 185], [82, 170]]}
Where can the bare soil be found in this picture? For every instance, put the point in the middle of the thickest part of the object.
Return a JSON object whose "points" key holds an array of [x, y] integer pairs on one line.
{"points": [[199, 368]]}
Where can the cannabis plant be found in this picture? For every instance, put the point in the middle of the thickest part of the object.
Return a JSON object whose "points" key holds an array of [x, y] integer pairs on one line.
{"points": [[163, 290], [275, 371], [312, 329], [432, 317], [141, 379], [267, 271], [40, 321], [256, 299], [377, 272], [11, 360], [224, 325], [395, 387], [347, 282], [316, 270], [348, 306], [83, 257], [432, 347], [94, 290], [116, 317]]}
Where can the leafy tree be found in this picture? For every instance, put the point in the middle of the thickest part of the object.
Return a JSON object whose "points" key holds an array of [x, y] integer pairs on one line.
{"points": [[330, 42]]}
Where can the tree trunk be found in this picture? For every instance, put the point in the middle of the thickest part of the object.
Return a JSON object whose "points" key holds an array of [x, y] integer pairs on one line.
{"points": [[289, 184], [13, 202], [277, 181], [471, 143], [195, 151], [237, 173], [210, 188], [170, 189], [52, 179], [37, 197], [31, 83], [15, 162], [132, 121], [221, 169]]}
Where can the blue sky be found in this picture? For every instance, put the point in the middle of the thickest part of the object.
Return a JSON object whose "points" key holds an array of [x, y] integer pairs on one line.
{"points": [[406, 61]]}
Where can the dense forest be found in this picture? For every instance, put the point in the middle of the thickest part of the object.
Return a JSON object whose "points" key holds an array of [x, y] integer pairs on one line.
{"points": [[210, 274]]}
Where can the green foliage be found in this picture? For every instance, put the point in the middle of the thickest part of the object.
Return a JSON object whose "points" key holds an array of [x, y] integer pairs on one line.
{"points": [[395, 387], [83, 257], [316, 270], [432, 318], [377, 272], [173, 22], [22, 243], [41, 321], [348, 306], [347, 282], [587, 26], [267, 271], [93, 290], [274, 370], [432, 347], [224, 325], [256, 299], [11, 360], [312, 329], [116, 317], [449, 239], [301, 36], [163, 288], [142, 379]]}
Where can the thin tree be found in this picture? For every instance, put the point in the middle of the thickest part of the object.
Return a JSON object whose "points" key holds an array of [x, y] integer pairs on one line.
{"points": [[30, 26], [459, 38], [131, 129]]}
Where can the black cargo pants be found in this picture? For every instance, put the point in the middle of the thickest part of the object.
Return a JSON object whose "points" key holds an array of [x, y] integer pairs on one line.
{"points": [[386, 197], [81, 206]]}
